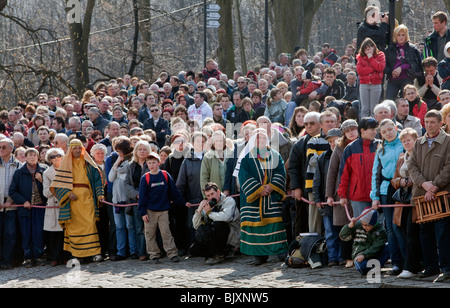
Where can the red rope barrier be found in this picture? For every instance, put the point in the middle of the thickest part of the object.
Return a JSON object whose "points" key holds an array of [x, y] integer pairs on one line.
{"points": [[363, 213], [193, 205], [33, 206]]}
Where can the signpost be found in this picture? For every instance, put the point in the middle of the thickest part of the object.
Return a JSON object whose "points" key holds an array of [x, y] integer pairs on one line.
{"points": [[211, 18]]}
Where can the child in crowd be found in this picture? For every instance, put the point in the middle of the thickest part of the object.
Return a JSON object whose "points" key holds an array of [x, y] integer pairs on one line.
{"points": [[369, 240], [276, 106], [156, 192]]}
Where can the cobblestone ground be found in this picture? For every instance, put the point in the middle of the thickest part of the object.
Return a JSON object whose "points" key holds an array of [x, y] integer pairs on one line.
{"points": [[193, 273]]}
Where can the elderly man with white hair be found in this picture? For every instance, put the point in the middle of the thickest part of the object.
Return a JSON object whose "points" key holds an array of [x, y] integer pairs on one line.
{"points": [[297, 168], [8, 216], [18, 139], [61, 141]]}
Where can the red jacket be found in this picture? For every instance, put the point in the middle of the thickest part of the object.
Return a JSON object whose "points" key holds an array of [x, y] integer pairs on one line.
{"points": [[355, 170], [371, 71], [419, 112], [311, 87]]}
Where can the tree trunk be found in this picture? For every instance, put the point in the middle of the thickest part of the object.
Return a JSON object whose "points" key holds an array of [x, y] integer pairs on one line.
{"points": [[447, 4], [241, 37], [135, 38], [225, 51], [79, 37], [146, 46], [292, 21], [3, 3], [399, 11]]}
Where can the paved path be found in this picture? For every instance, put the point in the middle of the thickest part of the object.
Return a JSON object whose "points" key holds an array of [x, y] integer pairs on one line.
{"points": [[193, 273]]}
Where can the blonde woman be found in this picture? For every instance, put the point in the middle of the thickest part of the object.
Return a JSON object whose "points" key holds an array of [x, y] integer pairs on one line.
{"points": [[136, 170], [403, 63]]}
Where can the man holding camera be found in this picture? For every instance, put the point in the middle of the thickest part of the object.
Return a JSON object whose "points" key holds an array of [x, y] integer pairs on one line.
{"points": [[217, 225], [375, 26]]}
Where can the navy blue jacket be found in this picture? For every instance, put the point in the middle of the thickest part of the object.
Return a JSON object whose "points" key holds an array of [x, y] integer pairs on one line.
{"points": [[157, 195], [22, 186]]}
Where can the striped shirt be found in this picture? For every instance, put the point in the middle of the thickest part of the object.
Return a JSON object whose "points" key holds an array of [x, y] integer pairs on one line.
{"points": [[314, 148]]}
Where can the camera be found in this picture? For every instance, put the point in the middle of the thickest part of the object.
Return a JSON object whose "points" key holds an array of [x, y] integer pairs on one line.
{"points": [[213, 202]]}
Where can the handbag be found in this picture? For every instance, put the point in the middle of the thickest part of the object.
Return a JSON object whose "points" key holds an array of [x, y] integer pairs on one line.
{"points": [[403, 196]]}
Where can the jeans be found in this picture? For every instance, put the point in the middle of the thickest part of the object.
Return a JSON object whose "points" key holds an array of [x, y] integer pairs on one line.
{"points": [[331, 238], [7, 236], [139, 231], [289, 112], [396, 239], [124, 231], [435, 240], [359, 207], [370, 96], [396, 86], [382, 256]]}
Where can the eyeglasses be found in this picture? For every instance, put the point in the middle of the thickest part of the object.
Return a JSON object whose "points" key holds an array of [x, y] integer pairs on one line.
{"points": [[55, 156], [154, 110], [4, 147], [309, 123]]}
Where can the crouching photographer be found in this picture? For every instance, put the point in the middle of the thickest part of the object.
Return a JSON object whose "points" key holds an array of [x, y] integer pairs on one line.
{"points": [[217, 226]]}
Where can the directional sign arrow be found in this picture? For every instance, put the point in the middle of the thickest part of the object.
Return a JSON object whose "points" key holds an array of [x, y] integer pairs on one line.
{"points": [[213, 8], [213, 16], [212, 24]]}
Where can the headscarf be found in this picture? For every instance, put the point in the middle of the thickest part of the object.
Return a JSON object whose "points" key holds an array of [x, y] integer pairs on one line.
{"points": [[249, 147], [64, 176]]}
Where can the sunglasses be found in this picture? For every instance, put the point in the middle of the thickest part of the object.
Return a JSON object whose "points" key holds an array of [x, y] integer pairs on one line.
{"points": [[309, 123], [55, 156], [4, 147]]}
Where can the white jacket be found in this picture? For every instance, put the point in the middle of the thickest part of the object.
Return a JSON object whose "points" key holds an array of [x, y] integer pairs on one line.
{"points": [[51, 215]]}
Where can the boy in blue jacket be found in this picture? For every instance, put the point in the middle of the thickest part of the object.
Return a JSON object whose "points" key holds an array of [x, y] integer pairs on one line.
{"points": [[156, 192]]}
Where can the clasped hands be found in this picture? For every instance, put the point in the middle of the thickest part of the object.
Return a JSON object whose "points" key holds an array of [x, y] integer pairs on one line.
{"points": [[267, 190], [431, 189]]}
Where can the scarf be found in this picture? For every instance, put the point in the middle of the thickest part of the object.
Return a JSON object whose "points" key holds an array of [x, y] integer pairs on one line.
{"points": [[251, 144]]}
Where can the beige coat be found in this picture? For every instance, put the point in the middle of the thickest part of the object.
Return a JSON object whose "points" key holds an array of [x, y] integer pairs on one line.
{"points": [[430, 164], [51, 215], [213, 169], [228, 213]]}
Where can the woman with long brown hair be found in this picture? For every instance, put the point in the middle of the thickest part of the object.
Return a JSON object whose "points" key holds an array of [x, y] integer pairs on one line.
{"points": [[370, 68]]}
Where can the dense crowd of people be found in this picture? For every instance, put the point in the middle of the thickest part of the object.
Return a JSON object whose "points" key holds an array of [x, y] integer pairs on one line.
{"points": [[203, 164]]}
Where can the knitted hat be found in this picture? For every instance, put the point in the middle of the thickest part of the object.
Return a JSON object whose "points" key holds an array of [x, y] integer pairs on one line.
{"points": [[447, 46], [306, 75], [349, 123], [371, 217], [191, 83]]}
